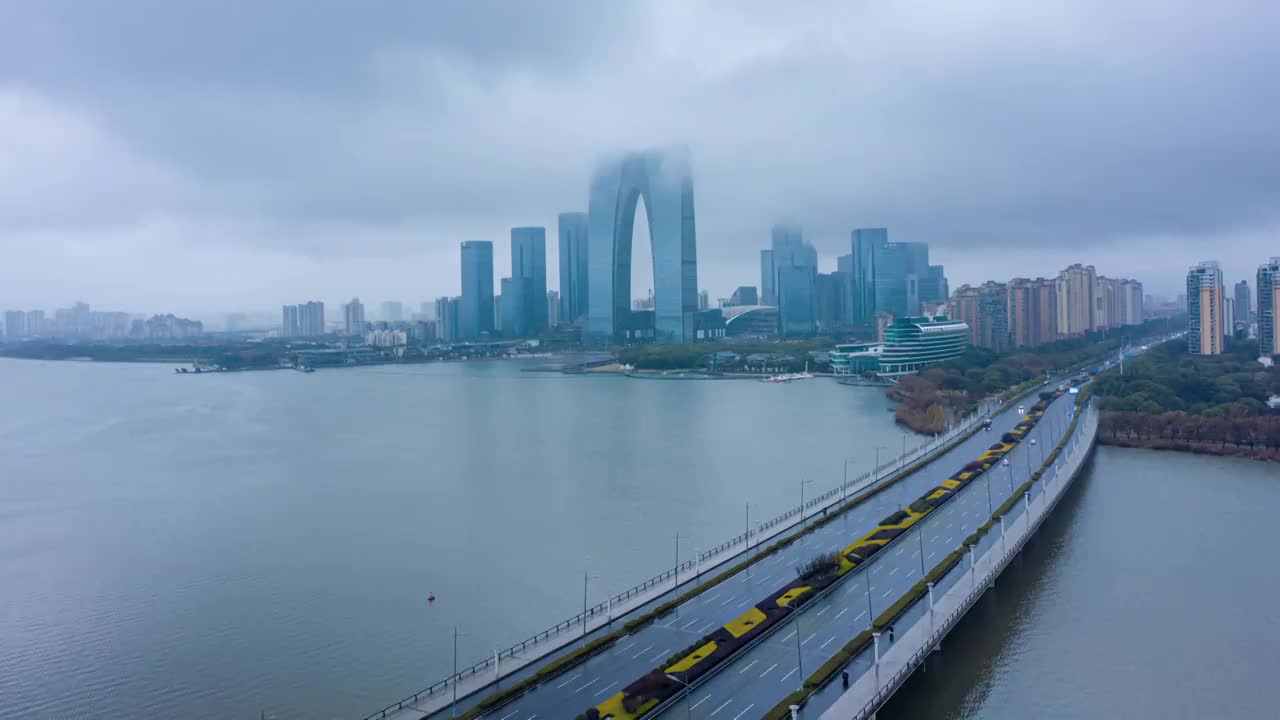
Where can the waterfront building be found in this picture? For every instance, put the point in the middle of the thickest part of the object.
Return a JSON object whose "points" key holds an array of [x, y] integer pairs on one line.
{"points": [[881, 321], [476, 313], [665, 182], [985, 312], [745, 295], [855, 358], [529, 264], [832, 297], [573, 265], [866, 243], [1268, 307], [510, 319], [1077, 288], [768, 291], [15, 324], [1244, 309], [914, 343], [1205, 332], [353, 318], [553, 308], [311, 319], [751, 321], [933, 287], [289, 322], [446, 319], [797, 296]]}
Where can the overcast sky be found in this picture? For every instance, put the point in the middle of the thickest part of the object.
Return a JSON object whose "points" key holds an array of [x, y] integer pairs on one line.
{"points": [[215, 156]]}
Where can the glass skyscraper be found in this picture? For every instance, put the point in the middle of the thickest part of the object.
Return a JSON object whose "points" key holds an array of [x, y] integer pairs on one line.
{"points": [[797, 301], [573, 265], [475, 312], [664, 180], [892, 277], [529, 266]]}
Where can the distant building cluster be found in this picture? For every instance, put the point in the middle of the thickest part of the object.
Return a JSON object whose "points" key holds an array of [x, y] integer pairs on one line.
{"points": [[79, 322], [1025, 312], [1212, 314]]}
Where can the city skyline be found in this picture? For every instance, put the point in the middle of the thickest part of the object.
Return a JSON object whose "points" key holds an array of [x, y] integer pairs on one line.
{"points": [[358, 171]]}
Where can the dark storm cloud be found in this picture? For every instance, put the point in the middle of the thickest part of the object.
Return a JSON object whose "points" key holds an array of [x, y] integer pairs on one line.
{"points": [[332, 148]]}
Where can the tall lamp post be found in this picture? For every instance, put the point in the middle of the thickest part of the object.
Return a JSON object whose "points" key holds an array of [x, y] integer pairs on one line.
{"points": [[585, 577], [876, 471], [675, 571], [687, 691], [802, 484]]}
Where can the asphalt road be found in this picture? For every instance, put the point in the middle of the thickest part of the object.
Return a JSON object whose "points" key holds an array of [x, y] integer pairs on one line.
{"points": [[605, 674], [754, 682]]}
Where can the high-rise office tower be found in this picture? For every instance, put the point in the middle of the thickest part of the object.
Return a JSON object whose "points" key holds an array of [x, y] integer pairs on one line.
{"points": [[1228, 314], [795, 277], [1244, 309], [797, 299], [832, 299], [289, 322], [768, 291], [1205, 332], [529, 262], [392, 311], [573, 265], [353, 318], [665, 181], [892, 277], [1077, 298], [1268, 308], [475, 314]]}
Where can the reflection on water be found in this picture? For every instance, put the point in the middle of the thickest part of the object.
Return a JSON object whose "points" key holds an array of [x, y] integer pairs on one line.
{"points": [[1148, 594]]}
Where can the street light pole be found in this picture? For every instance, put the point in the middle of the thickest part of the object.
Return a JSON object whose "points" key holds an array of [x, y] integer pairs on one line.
{"points": [[871, 614], [687, 690], [990, 508], [802, 484], [675, 571], [799, 656]]}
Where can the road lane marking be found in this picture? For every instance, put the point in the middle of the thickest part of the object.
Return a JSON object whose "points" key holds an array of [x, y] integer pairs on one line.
{"points": [[674, 620], [745, 603], [930, 556], [893, 571], [704, 699], [915, 553], [726, 602], [566, 682], [584, 687], [753, 662], [713, 597], [806, 640], [686, 625], [845, 610], [744, 711], [822, 611], [661, 653], [504, 717], [633, 657], [899, 552], [771, 667], [793, 672], [704, 627], [793, 632], [886, 592], [726, 702], [828, 642], [606, 688], [624, 649]]}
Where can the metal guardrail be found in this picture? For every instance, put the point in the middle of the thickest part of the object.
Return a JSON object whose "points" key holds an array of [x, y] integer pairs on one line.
{"points": [[825, 499], [883, 694]]}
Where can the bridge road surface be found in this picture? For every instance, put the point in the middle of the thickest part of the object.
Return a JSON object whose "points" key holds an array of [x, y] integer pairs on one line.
{"points": [[608, 672], [750, 685]]}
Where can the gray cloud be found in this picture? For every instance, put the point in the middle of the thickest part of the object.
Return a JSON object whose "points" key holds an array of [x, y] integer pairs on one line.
{"points": [[326, 149]]}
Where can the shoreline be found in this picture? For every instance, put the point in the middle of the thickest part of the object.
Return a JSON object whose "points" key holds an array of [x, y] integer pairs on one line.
{"points": [[1258, 453]]}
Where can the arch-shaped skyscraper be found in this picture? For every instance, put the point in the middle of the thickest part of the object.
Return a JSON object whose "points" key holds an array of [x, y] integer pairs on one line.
{"points": [[664, 181]]}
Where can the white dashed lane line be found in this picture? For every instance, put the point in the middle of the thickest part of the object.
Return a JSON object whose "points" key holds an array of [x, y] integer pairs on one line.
{"points": [[771, 667], [637, 655], [744, 711], [704, 699], [748, 667], [605, 689], [726, 702]]}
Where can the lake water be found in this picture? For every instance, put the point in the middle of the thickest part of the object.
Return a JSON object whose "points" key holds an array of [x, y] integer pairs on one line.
{"points": [[219, 545], [1150, 593]]}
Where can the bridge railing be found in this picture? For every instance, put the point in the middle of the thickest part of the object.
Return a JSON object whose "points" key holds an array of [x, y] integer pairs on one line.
{"points": [[759, 533]]}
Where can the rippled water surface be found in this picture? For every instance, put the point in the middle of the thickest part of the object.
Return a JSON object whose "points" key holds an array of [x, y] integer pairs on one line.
{"points": [[216, 546], [1151, 593]]}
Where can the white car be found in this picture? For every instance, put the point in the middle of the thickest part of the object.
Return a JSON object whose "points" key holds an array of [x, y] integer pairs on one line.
{"points": [[1021, 410], [1006, 462], [1033, 441]]}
